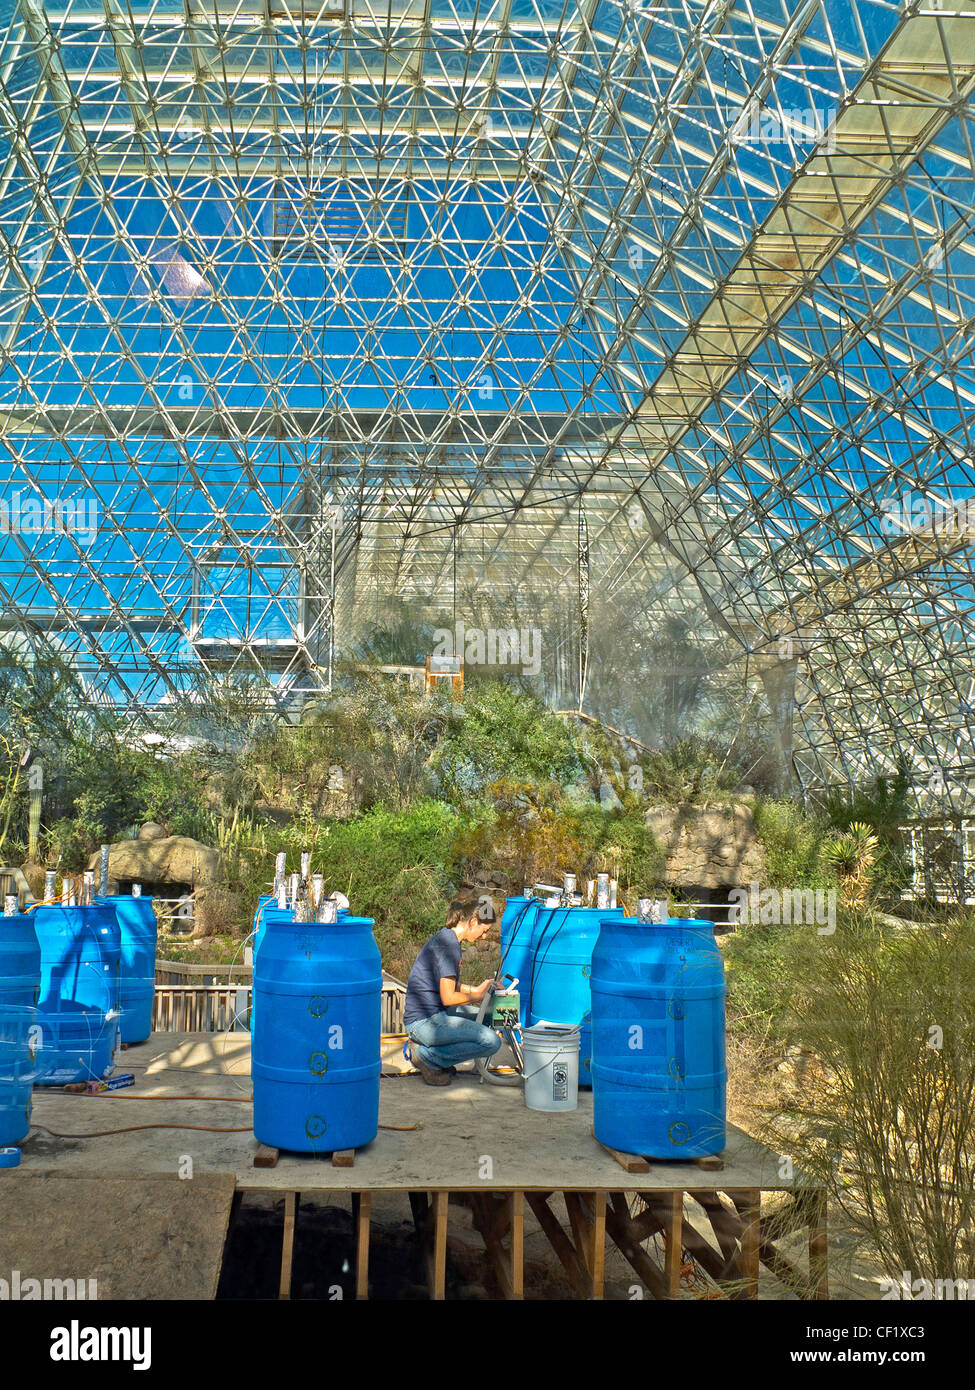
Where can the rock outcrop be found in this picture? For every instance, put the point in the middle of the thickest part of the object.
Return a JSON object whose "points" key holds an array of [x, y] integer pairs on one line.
{"points": [[169, 859], [709, 846]]}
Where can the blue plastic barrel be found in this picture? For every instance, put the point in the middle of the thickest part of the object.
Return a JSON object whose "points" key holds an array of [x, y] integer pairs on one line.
{"points": [[557, 989], [316, 1058], [137, 974], [265, 901], [516, 940], [658, 1062], [20, 961], [78, 1010], [18, 1024], [265, 912]]}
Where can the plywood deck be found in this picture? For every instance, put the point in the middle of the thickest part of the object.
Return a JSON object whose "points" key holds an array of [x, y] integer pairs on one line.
{"points": [[460, 1127], [135, 1237]]}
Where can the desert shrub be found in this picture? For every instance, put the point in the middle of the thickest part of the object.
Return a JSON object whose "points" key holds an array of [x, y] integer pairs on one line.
{"points": [[222, 911], [536, 833], [502, 733], [114, 788], [368, 744], [763, 978], [794, 841], [395, 865], [886, 1114], [618, 841], [690, 769]]}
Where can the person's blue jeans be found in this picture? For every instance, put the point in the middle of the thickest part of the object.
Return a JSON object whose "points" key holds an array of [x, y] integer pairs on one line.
{"points": [[453, 1035]]}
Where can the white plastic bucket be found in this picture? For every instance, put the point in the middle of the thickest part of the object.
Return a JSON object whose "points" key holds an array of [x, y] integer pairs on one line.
{"points": [[551, 1066]]}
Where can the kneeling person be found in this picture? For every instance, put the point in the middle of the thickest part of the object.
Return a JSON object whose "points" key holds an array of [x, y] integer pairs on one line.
{"points": [[440, 1015]]}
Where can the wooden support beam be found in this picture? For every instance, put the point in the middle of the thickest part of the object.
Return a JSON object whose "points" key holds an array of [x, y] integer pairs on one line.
{"points": [[725, 1224], [361, 1210], [773, 1228], [618, 1224], [695, 1244], [784, 1269], [291, 1202], [560, 1243], [751, 1217], [648, 1222], [266, 1157], [580, 1229], [597, 1264], [420, 1207], [343, 1158], [517, 1252], [818, 1252], [436, 1249], [494, 1218], [592, 1211], [674, 1242]]}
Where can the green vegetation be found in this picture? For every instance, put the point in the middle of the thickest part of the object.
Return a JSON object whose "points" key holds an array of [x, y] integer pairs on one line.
{"points": [[794, 841], [881, 1104], [401, 798]]}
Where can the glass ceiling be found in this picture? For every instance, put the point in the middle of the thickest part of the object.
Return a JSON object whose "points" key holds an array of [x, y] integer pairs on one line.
{"points": [[594, 317]]}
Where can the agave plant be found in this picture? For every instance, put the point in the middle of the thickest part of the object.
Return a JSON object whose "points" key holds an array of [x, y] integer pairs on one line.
{"points": [[853, 858]]}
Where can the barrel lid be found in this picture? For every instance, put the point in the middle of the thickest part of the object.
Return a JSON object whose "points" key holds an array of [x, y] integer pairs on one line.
{"points": [[9, 1158]]}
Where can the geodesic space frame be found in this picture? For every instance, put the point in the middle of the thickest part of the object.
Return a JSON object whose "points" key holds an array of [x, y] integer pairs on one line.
{"points": [[595, 316]]}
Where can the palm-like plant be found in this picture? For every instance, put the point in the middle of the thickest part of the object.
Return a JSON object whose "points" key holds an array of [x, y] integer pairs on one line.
{"points": [[853, 858]]}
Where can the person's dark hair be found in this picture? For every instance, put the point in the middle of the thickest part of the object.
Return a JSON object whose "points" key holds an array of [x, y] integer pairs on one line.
{"points": [[463, 909]]}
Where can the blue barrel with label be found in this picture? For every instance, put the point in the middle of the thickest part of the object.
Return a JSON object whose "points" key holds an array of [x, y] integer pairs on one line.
{"points": [[658, 1062], [517, 921], [557, 989], [18, 1031], [317, 1021], [20, 961], [137, 973], [78, 1009]]}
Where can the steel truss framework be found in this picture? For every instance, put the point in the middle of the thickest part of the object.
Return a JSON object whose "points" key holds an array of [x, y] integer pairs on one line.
{"points": [[505, 304]]}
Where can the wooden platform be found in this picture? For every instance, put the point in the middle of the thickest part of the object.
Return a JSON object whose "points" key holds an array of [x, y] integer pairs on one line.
{"points": [[136, 1237], [470, 1144]]}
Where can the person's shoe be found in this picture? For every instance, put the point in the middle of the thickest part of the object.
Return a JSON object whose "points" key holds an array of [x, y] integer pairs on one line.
{"points": [[433, 1076]]}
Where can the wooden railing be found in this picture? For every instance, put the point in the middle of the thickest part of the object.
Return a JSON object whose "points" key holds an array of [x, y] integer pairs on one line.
{"points": [[194, 998], [201, 1008]]}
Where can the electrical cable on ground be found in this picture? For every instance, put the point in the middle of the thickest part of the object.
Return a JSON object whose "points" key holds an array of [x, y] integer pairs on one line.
{"points": [[130, 1129], [206, 1129]]}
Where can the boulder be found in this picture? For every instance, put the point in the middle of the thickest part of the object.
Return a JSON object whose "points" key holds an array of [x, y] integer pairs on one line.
{"points": [[152, 831], [709, 846], [170, 859]]}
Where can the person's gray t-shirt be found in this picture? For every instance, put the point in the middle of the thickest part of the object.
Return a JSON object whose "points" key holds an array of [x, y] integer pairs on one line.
{"points": [[438, 958]]}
